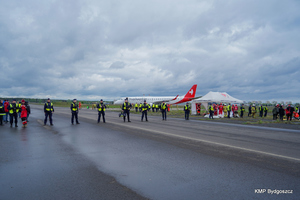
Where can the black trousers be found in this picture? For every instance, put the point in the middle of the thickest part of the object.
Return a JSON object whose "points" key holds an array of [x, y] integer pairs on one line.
{"points": [[164, 114], [99, 116], [211, 114], [144, 113], [46, 117], [274, 116], [187, 114], [266, 113], [289, 116], [228, 114], [74, 114], [12, 116], [242, 114], [1, 119], [281, 117], [126, 113], [261, 113]]}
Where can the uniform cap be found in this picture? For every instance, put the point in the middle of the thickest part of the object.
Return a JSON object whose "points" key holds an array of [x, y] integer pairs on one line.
{"points": [[101, 99]]}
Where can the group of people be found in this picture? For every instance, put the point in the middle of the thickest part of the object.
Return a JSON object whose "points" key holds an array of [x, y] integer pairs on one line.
{"points": [[14, 111], [22, 110], [144, 108], [225, 110], [290, 112]]}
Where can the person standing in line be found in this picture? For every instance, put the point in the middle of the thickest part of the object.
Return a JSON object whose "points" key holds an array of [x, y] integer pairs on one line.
{"points": [[163, 108], [136, 106], [220, 109], [6, 105], [48, 110], [187, 109], [126, 110], [253, 110], [250, 110], [24, 111], [101, 111], [74, 110], [2, 112], [289, 112], [266, 111], [13, 112], [229, 110], [242, 110], [274, 112], [153, 107], [211, 111], [145, 108], [28, 110], [281, 112], [225, 110], [261, 111]]}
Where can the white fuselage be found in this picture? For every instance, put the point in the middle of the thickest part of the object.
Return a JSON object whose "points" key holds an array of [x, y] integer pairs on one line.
{"points": [[149, 100]]}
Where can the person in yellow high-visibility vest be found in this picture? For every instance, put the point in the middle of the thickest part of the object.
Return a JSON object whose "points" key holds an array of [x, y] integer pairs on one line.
{"points": [[163, 108], [136, 106], [74, 110], [211, 111], [48, 110], [2, 112], [13, 112], [145, 108], [187, 109], [225, 110], [101, 111]]}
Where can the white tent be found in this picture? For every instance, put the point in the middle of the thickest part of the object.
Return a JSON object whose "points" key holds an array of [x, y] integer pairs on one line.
{"points": [[218, 97]]}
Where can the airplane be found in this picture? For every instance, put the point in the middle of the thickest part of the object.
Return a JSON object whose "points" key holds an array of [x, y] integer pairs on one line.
{"points": [[190, 95]]}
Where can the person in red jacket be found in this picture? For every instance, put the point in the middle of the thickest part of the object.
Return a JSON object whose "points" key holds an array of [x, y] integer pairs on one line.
{"points": [[220, 109], [216, 109], [6, 104], [235, 110], [24, 111]]}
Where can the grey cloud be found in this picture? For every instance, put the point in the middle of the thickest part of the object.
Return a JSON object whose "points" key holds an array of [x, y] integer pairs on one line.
{"points": [[117, 65], [68, 48]]}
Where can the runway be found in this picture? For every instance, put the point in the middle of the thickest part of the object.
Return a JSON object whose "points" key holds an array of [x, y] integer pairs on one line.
{"points": [[173, 159]]}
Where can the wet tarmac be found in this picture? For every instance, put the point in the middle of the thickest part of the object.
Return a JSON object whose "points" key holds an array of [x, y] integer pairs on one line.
{"points": [[174, 159]]}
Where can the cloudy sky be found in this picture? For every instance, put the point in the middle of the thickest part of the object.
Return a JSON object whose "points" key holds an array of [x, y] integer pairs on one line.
{"points": [[91, 49]]}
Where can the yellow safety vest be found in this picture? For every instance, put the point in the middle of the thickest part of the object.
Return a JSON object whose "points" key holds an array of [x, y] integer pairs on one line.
{"points": [[163, 106], [145, 108], [229, 107], [49, 109], [124, 106], [100, 109], [74, 107], [17, 109], [1, 107]]}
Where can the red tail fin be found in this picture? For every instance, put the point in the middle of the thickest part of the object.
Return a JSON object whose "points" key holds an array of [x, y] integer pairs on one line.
{"points": [[191, 93]]}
